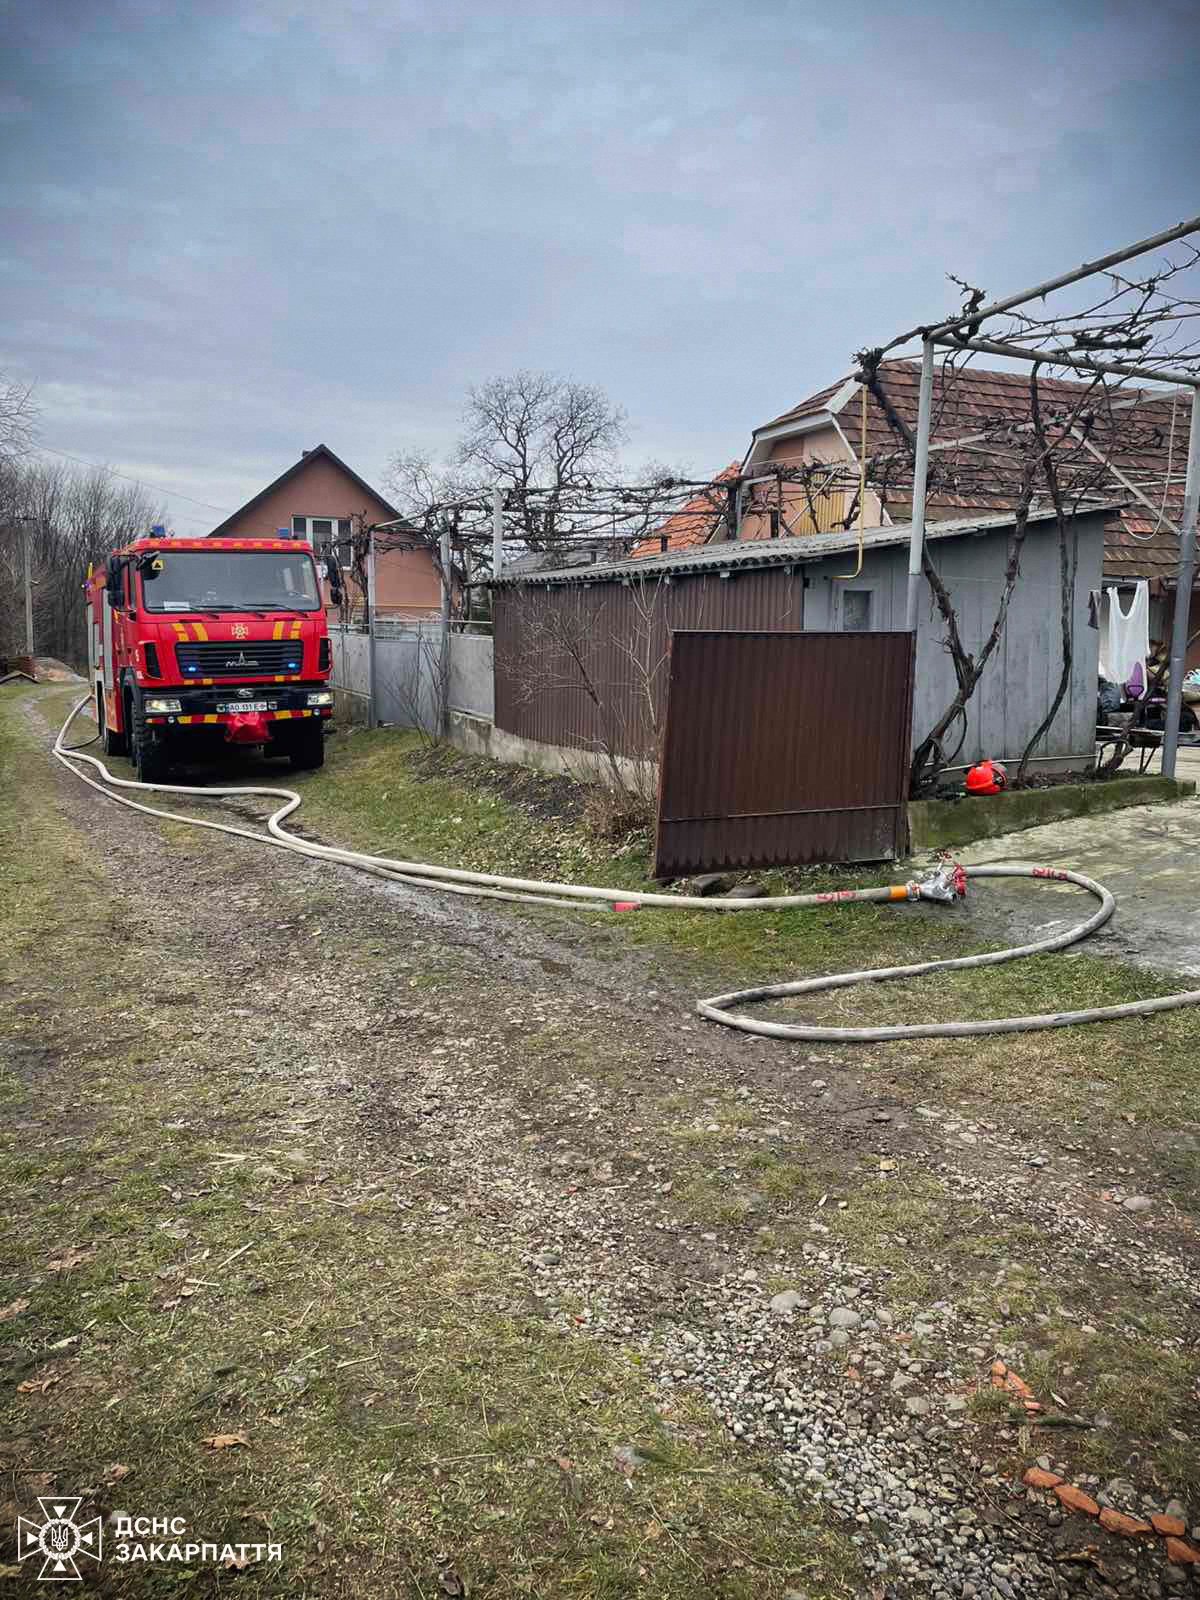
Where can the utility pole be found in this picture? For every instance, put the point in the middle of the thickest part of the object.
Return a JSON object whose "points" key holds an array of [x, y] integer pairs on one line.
{"points": [[28, 587], [25, 525]]}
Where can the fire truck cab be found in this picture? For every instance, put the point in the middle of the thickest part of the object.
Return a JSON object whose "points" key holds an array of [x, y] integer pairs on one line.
{"points": [[195, 643]]}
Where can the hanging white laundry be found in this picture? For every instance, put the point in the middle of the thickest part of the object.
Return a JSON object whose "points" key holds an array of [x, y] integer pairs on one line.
{"points": [[1125, 635]]}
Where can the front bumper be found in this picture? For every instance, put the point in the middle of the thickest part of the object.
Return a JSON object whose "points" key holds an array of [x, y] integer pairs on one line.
{"points": [[199, 706]]}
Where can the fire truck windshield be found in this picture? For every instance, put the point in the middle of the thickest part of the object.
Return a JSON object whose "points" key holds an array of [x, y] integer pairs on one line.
{"points": [[229, 580]]}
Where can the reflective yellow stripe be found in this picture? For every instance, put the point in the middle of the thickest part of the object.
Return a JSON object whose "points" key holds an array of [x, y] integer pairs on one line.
{"points": [[200, 631], [279, 680], [283, 713], [278, 631], [210, 717], [208, 680]]}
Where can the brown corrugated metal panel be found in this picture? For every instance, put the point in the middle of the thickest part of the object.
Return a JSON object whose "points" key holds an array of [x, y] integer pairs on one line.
{"points": [[783, 749], [586, 666]]}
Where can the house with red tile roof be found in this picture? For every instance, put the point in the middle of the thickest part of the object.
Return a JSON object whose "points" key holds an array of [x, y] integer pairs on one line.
{"points": [[1136, 438]]}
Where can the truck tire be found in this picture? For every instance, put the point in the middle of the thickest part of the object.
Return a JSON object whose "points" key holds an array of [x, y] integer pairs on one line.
{"points": [[115, 744], [307, 749], [149, 755]]}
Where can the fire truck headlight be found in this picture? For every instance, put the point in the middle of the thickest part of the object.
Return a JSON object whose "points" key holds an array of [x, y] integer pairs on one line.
{"points": [[156, 704], [321, 697]]}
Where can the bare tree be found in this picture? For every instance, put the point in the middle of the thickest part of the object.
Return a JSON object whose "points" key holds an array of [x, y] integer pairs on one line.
{"points": [[520, 432], [76, 518], [18, 417]]}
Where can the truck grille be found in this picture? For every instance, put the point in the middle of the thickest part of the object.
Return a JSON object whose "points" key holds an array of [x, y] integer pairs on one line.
{"points": [[240, 658]]}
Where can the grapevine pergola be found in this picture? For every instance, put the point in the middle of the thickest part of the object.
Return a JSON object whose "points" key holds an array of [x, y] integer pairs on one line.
{"points": [[1131, 327]]}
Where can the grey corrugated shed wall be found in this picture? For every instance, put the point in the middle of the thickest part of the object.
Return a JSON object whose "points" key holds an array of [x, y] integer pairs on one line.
{"points": [[550, 705]]}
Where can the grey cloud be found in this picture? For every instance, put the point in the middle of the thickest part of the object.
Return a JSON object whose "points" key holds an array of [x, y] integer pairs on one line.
{"points": [[228, 231]]}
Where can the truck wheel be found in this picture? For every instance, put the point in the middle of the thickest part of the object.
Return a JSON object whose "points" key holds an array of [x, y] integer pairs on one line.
{"points": [[149, 756], [307, 751], [115, 744]]}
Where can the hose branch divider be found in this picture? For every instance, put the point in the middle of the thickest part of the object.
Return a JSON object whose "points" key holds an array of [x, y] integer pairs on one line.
{"points": [[944, 884]]}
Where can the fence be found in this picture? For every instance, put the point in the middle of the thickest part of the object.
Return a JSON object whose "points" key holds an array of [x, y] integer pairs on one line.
{"points": [[472, 685], [413, 679], [756, 772]]}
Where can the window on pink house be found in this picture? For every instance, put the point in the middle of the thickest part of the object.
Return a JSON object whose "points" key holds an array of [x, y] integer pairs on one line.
{"points": [[323, 531]]}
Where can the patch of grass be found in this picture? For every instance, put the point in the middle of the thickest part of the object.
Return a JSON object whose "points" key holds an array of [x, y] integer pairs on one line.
{"points": [[224, 1258], [1121, 1361], [379, 791]]}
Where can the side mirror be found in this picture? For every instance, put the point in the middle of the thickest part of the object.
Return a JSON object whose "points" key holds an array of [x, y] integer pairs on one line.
{"points": [[112, 582], [333, 575]]}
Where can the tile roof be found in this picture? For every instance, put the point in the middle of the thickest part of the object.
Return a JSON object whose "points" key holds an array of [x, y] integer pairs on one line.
{"points": [[1144, 434], [693, 523], [815, 404]]}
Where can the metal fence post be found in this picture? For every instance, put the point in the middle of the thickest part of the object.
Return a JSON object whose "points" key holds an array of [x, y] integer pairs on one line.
{"points": [[916, 542], [1181, 625]]}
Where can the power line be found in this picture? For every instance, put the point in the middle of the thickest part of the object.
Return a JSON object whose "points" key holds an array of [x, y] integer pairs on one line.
{"points": [[174, 494]]}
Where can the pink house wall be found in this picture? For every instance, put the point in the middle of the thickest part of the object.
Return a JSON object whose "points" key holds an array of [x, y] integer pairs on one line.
{"points": [[407, 580]]}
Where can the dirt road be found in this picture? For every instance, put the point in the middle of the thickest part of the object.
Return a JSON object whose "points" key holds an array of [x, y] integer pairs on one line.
{"points": [[500, 1270]]}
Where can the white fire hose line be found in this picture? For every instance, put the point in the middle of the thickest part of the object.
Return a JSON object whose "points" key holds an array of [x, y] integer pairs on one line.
{"points": [[943, 886]]}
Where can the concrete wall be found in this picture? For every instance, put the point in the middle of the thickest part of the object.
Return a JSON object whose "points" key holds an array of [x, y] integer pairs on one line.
{"points": [[472, 679], [479, 736]]}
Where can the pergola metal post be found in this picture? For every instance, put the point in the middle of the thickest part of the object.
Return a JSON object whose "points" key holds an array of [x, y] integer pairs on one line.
{"points": [[1183, 593], [497, 531], [372, 701], [916, 542], [445, 555]]}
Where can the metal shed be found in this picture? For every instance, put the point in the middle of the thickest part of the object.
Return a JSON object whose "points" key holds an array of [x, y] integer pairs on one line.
{"points": [[618, 617]]}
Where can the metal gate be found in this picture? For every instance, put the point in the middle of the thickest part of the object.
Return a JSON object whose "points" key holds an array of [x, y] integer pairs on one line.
{"points": [[784, 748]]}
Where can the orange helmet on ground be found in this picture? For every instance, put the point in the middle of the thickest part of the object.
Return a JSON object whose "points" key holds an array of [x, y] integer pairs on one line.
{"points": [[989, 777]]}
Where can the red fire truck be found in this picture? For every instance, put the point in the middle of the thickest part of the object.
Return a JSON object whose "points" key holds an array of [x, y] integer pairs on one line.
{"points": [[195, 642]]}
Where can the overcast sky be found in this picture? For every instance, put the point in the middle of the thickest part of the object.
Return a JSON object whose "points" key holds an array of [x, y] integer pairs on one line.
{"points": [[230, 232]]}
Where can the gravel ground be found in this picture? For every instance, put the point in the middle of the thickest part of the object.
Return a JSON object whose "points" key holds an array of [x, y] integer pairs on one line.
{"points": [[518, 1108]]}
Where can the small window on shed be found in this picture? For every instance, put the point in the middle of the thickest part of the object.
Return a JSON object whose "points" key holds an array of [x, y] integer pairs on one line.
{"points": [[856, 611]]}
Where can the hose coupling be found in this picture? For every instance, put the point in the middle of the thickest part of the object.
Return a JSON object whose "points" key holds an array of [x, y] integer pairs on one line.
{"points": [[946, 883]]}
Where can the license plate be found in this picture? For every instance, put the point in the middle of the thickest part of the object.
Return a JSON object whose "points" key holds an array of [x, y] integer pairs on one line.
{"points": [[248, 705]]}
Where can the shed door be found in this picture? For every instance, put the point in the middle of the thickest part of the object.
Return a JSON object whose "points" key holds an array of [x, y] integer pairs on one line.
{"points": [[783, 749]]}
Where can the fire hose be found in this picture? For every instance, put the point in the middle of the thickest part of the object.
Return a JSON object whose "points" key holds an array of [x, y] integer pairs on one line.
{"points": [[945, 884]]}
